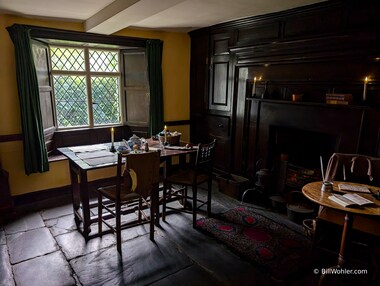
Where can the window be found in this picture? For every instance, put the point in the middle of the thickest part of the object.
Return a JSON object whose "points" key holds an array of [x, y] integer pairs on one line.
{"points": [[86, 84], [89, 82]]}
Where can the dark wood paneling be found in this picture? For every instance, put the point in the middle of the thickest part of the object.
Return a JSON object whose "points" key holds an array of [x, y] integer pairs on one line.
{"points": [[205, 128], [218, 126], [313, 50], [219, 86], [220, 72], [220, 43], [199, 68], [198, 128], [238, 121], [312, 24], [222, 152], [259, 33], [221, 46]]}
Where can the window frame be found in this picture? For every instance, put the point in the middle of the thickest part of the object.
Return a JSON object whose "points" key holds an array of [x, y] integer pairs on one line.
{"points": [[88, 75]]}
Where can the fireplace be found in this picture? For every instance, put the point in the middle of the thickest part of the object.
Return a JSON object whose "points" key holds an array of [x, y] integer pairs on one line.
{"points": [[300, 132], [300, 147], [294, 156]]}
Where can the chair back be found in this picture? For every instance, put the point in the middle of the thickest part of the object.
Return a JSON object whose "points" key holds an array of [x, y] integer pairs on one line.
{"points": [[353, 167], [205, 156], [141, 172]]}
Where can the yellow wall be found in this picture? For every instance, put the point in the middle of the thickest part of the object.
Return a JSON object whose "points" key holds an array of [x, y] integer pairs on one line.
{"points": [[176, 75]]}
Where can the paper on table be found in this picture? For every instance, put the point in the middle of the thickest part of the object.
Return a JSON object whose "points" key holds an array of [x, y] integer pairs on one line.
{"points": [[98, 157], [95, 154], [101, 160], [88, 148], [176, 147], [180, 147]]}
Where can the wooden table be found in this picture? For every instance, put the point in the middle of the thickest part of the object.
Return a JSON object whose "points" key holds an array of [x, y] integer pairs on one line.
{"points": [[313, 192], [79, 182]]}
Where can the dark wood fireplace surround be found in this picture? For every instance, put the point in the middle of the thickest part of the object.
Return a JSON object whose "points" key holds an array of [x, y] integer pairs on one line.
{"points": [[314, 50]]}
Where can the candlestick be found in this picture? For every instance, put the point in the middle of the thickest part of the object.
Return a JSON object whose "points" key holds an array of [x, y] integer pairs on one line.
{"points": [[254, 86], [365, 89], [112, 149]]}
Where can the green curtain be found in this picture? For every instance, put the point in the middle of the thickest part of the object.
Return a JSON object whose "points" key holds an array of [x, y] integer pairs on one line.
{"points": [[156, 110], [35, 155]]}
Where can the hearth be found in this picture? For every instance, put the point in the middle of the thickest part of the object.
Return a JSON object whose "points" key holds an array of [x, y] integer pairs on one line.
{"points": [[294, 156]]}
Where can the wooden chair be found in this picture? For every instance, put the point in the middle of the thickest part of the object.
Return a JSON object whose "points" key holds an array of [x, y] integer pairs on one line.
{"points": [[136, 180], [200, 173]]}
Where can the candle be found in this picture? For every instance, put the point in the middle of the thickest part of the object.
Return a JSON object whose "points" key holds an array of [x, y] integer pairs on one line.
{"points": [[365, 89], [112, 135], [165, 133], [254, 86]]}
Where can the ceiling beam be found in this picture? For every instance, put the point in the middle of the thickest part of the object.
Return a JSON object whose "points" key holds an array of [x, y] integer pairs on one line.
{"points": [[124, 13]]}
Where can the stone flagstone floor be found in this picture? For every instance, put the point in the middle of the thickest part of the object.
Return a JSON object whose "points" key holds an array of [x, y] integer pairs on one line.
{"points": [[44, 248]]}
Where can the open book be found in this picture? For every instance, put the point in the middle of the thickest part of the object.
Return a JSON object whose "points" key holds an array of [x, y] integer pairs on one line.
{"points": [[353, 188], [350, 200]]}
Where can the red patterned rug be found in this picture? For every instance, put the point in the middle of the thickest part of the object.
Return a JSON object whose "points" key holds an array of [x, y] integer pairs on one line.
{"points": [[271, 245]]}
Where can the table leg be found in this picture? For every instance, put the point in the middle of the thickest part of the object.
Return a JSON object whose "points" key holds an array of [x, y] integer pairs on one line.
{"points": [[75, 193], [347, 228], [85, 203], [156, 205], [326, 279]]}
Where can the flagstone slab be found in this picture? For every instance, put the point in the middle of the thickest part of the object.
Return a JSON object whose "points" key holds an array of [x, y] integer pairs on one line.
{"points": [[199, 277], [6, 276], [51, 269], [73, 244], [57, 212], [2, 237], [30, 244], [60, 225], [24, 223], [142, 263]]}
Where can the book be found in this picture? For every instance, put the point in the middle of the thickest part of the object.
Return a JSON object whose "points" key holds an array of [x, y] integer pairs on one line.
{"points": [[350, 200], [339, 96], [333, 101], [353, 188]]}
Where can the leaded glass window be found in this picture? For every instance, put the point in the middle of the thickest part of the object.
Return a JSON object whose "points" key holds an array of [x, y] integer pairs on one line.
{"points": [[86, 86]]}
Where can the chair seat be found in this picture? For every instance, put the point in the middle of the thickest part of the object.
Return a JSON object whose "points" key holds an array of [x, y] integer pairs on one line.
{"points": [[110, 193], [186, 178]]}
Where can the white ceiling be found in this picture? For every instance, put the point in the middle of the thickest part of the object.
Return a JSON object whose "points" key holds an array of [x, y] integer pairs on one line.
{"points": [[109, 16]]}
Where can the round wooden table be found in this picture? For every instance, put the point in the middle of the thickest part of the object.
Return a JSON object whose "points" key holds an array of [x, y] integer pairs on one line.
{"points": [[313, 192]]}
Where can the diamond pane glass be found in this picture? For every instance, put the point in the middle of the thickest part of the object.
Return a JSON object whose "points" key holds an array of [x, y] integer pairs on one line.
{"points": [[105, 100], [104, 61], [71, 100], [67, 59]]}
